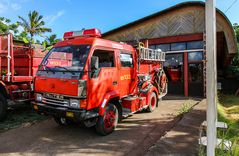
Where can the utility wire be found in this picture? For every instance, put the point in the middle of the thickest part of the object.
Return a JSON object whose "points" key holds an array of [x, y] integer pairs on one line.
{"points": [[231, 6]]}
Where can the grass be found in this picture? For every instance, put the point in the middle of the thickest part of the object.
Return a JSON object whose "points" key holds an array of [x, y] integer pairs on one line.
{"points": [[186, 107], [20, 116], [228, 112]]}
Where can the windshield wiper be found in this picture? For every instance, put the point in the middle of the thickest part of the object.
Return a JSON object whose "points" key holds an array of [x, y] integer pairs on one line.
{"points": [[47, 68], [65, 69]]}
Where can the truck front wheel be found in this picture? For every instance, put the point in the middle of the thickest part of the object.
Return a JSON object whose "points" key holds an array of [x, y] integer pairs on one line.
{"points": [[3, 107], [152, 102], [106, 124]]}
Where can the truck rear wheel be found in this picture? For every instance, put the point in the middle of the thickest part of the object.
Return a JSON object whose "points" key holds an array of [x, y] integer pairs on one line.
{"points": [[3, 108], [152, 102], [106, 124]]}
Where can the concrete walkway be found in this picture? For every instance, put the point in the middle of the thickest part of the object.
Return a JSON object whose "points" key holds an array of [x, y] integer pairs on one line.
{"points": [[183, 138]]}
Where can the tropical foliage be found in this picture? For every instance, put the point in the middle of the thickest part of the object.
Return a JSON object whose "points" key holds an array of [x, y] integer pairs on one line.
{"points": [[6, 26], [50, 41], [233, 69], [34, 25], [236, 28]]}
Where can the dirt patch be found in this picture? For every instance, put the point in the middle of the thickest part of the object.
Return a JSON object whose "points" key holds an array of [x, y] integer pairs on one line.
{"points": [[133, 135], [21, 116]]}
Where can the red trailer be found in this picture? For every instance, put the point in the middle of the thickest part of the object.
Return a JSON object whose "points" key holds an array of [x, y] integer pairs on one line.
{"points": [[18, 66], [97, 81]]}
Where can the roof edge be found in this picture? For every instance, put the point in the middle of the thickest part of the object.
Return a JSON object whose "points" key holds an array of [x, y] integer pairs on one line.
{"points": [[198, 3]]}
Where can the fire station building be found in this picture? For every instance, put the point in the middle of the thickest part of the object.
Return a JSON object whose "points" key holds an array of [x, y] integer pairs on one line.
{"points": [[179, 31]]}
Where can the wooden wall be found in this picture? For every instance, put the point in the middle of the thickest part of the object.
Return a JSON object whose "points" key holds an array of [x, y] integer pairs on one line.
{"points": [[180, 21]]}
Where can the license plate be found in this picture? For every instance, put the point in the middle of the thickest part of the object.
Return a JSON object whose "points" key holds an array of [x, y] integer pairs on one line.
{"points": [[70, 114]]}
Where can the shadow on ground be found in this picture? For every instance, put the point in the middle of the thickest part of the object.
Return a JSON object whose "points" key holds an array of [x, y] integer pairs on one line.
{"points": [[132, 137], [19, 116]]}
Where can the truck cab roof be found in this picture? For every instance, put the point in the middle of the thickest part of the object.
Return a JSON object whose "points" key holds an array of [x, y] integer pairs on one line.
{"points": [[95, 41]]}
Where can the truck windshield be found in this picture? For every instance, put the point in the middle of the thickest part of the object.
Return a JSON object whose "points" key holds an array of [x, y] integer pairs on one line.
{"points": [[66, 58]]}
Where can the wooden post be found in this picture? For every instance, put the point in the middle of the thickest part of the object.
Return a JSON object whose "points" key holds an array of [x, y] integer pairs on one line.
{"points": [[185, 75], [211, 77], [146, 43]]}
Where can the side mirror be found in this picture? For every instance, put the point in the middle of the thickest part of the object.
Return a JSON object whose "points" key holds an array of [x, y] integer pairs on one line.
{"points": [[94, 63]]}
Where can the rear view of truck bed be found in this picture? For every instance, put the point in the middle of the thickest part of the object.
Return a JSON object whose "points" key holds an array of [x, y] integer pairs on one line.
{"points": [[18, 66]]}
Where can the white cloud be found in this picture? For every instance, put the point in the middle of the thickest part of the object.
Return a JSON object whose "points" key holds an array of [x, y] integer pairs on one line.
{"points": [[16, 6], [6, 5], [50, 19]]}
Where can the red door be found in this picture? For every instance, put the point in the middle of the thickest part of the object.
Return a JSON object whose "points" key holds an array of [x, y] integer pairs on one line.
{"points": [[104, 79], [126, 73]]}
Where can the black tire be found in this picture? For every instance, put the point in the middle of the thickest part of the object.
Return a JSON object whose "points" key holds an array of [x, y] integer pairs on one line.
{"points": [[63, 121], [106, 124], [3, 107], [152, 102]]}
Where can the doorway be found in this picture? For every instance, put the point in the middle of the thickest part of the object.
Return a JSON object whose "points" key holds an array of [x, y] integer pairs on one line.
{"points": [[195, 74]]}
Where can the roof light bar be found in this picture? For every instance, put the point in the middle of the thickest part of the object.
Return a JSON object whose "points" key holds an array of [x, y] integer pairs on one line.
{"points": [[88, 32]]}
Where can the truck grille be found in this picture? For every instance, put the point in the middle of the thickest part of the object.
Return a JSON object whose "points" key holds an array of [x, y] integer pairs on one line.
{"points": [[55, 102]]}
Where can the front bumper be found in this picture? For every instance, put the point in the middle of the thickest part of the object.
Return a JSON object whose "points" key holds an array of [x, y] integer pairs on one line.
{"points": [[77, 114]]}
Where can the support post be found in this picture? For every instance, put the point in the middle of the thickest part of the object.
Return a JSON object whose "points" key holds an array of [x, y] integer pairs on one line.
{"points": [[211, 77], [185, 75]]}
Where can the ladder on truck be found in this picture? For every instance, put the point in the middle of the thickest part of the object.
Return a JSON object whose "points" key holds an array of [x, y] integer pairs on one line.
{"points": [[147, 55], [151, 55]]}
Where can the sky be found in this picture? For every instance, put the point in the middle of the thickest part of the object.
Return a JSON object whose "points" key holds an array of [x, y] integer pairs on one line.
{"points": [[67, 15]]}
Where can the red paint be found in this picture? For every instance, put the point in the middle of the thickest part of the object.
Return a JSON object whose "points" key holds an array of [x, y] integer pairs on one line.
{"points": [[174, 73], [185, 71], [173, 39], [82, 33], [111, 83], [153, 102], [109, 120], [22, 68], [57, 85]]}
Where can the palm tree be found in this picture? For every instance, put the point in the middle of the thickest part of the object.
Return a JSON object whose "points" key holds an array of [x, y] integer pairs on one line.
{"points": [[34, 25], [50, 41]]}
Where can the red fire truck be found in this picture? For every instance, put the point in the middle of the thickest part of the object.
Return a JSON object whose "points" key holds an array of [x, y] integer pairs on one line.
{"points": [[98, 82], [18, 65]]}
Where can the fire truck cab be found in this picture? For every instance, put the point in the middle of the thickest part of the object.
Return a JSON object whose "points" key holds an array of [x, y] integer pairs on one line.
{"points": [[96, 82]]}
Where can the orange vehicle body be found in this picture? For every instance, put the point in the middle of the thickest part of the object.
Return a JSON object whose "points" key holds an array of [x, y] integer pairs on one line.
{"points": [[116, 80]]}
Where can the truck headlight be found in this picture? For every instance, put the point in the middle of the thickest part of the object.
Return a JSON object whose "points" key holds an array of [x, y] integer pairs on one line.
{"points": [[38, 97], [74, 103]]}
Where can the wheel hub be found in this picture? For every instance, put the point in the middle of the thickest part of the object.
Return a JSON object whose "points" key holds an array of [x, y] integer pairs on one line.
{"points": [[109, 120]]}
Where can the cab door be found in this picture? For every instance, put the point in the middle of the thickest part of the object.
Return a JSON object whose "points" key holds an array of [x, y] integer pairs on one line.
{"points": [[126, 73], [104, 79]]}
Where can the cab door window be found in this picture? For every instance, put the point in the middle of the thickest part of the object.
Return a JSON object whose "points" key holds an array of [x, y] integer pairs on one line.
{"points": [[126, 60], [106, 58]]}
